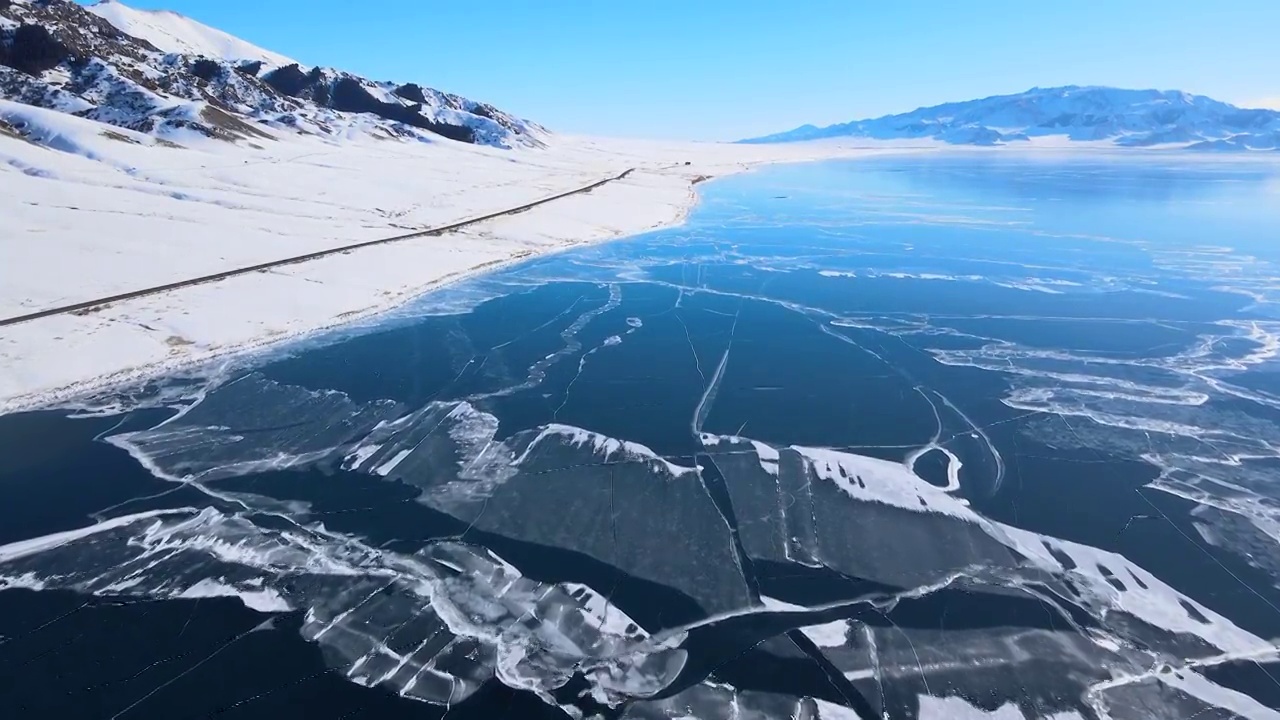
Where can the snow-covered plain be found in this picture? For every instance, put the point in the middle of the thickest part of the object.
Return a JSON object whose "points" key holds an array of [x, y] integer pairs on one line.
{"points": [[94, 210]]}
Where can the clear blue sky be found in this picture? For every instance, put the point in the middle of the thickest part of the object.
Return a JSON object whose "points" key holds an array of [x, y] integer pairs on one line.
{"points": [[727, 69]]}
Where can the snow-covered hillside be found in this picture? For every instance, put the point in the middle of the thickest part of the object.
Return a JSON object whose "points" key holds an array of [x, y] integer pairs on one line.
{"points": [[171, 32], [1131, 118], [171, 77]]}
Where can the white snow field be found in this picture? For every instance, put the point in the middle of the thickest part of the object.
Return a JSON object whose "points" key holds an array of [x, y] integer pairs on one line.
{"points": [[93, 210]]}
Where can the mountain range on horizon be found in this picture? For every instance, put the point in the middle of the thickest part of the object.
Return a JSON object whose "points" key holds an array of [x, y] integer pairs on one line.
{"points": [[1128, 118], [162, 73]]}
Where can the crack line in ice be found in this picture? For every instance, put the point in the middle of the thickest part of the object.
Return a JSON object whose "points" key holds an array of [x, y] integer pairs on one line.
{"points": [[703, 409], [740, 557], [6, 639], [828, 331], [184, 673], [538, 371], [1210, 555], [953, 461], [582, 363], [558, 315], [613, 532], [694, 350], [986, 439], [1268, 654], [873, 651]]}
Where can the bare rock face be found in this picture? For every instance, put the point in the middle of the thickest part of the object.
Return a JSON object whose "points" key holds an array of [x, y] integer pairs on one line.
{"points": [[348, 95], [58, 55], [412, 92], [32, 49], [206, 69], [250, 69], [288, 80]]}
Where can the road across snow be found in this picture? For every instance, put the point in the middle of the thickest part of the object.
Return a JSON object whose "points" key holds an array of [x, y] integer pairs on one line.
{"points": [[94, 211], [97, 303]]}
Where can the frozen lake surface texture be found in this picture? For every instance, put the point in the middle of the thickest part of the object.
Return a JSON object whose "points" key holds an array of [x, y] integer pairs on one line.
{"points": [[905, 438]]}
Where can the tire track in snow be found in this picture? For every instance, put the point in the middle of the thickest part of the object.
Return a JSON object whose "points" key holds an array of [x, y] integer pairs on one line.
{"points": [[90, 305]]}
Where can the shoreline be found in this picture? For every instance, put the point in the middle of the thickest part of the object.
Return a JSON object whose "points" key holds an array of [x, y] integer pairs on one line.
{"points": [[677, 214], [54, 359], [93, 305]]}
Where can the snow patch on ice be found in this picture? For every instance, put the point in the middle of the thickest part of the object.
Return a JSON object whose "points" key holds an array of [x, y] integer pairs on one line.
{"points": [[25, 581], [360, 454], [955, 708], [874, 480], [828, 635], [262, 600], [1145, 596], [769, 457], [1214, 695], [831, 711], [780, 605], [606, 447]]}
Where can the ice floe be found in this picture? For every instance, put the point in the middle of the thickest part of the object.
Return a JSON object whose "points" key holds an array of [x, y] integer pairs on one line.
{"points": [[433, 625]]}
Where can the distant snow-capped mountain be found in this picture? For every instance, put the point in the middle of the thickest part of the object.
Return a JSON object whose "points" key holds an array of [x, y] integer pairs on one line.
{"points": [[1133, 118], [162, 73]]}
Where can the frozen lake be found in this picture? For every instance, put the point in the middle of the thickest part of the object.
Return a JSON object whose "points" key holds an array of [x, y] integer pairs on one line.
{"points": [[924, 438]]}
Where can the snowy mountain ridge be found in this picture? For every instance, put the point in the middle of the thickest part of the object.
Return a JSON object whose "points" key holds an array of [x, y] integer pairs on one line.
{"points": [[175, 33], [1129, 118], [166, 75]]}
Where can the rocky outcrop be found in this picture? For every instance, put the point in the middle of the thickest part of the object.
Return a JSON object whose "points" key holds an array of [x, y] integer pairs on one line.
{"points": [[57, 55], [350, 96], [288, 80], [251, 68], [411, 92], [206, 69], [32, 49]]}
